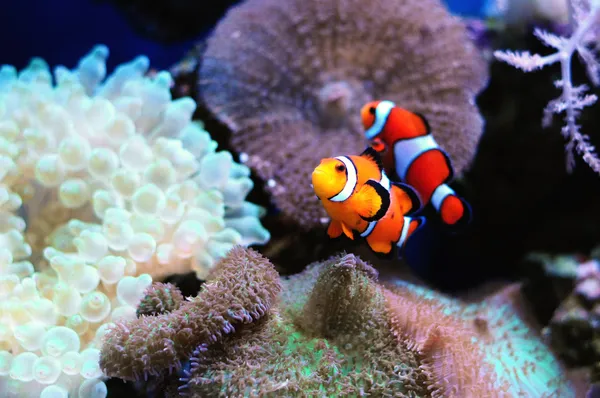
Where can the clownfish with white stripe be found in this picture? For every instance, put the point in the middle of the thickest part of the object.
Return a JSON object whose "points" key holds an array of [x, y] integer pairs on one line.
{"points": [[410, 152], [362, 202]]}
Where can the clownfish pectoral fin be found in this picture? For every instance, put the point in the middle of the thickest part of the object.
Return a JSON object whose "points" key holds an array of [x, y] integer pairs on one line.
{"points": [[409, 198], [347, 231], [372, 201], [334, 230], [371, 154]]}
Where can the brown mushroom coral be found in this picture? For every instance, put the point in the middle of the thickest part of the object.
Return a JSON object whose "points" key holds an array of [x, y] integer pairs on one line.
{"points": [[289, 77]]}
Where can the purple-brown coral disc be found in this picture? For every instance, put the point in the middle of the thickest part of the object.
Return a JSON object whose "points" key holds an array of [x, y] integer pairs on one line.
{"points": [[289, 78]]}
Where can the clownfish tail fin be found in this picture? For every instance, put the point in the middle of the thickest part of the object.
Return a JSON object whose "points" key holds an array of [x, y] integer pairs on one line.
{"points": [[411, 224], [455, 211]]}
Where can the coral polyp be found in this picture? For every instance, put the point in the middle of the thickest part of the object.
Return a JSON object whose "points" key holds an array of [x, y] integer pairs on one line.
{"points": [[335, 105]]}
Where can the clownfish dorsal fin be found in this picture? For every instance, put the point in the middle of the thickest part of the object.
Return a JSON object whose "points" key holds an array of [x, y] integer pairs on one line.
{"points": [[371, 154], [408, 197], [425, 122], [372, 201]]}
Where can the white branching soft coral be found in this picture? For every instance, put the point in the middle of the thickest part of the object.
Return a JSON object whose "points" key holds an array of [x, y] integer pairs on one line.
{"points": [[104, 185], [586, 20]]}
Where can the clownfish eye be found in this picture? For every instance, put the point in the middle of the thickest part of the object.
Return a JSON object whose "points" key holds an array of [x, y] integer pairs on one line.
{"points": [[340, 168], [372, 110]]}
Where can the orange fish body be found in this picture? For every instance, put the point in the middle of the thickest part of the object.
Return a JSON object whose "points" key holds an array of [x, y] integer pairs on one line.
{"points": [[361, 200], [411, 152]]}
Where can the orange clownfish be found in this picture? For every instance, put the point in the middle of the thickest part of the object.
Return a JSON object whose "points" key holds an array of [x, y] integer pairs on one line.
{"points": [[361, 200], [413, 154]]}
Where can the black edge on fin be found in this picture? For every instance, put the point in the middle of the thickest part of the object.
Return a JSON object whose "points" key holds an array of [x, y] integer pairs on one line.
{"points": [[392, 254], [468, 216], [449, 164], [425, 122], [385, 201], [374, 155], [465, 220], [415, 198], [355, 234], [469, 210], [422, 221]]}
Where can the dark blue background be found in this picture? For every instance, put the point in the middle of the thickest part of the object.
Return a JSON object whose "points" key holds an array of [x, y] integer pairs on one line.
{"points": [[62, 31]]}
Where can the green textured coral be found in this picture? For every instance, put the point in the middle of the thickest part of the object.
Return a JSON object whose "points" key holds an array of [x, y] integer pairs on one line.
{"points": [[338, 332], [160, 298], [276, 358], [235, 367], [329, 337], [334, 330]]}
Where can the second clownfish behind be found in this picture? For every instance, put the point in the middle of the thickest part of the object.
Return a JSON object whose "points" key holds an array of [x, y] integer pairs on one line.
{"points": [[361, 200], [413, 155]]}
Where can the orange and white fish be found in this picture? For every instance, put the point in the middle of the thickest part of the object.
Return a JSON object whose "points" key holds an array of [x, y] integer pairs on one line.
{"points": [[411, 152], [361, 200]]}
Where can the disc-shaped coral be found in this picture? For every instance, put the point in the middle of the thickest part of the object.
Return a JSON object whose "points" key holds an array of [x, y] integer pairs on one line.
{"points": [[289, 79], [491, 348]]}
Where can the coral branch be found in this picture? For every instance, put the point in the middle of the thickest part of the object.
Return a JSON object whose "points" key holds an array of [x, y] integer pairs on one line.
{"points": [[242, 288], [572, 100]]}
